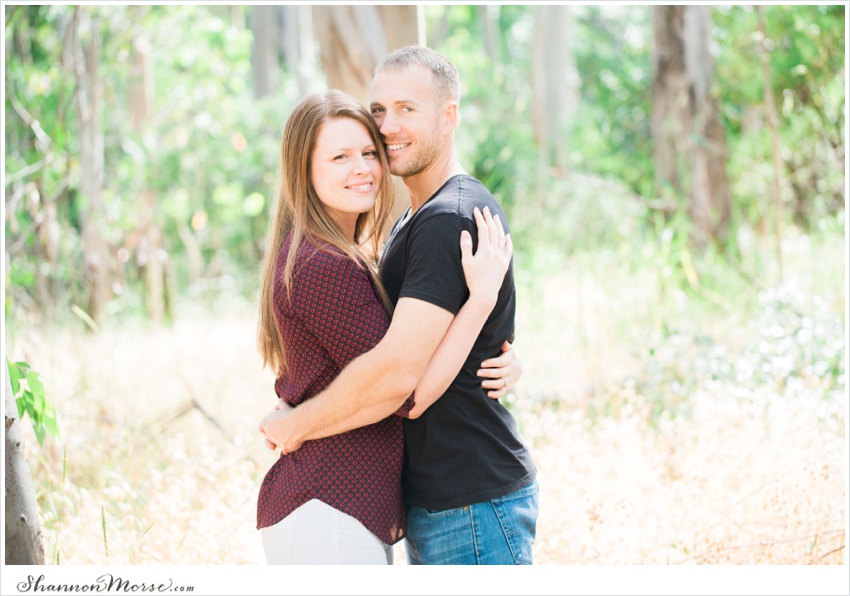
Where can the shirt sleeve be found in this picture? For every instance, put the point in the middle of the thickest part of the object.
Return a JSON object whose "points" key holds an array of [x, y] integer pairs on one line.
{"points": [[337, 303], [434, 272], [404, 410]]}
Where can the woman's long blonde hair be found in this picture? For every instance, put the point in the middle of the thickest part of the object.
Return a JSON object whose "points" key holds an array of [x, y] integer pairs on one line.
{"points": [[300, 211]]}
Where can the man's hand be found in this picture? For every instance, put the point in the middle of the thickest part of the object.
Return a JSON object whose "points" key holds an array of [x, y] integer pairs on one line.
{"points": [[276, 431], [501, 373]]}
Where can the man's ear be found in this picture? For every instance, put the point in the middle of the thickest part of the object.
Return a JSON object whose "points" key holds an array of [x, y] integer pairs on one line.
{"points": [[450, 116]]}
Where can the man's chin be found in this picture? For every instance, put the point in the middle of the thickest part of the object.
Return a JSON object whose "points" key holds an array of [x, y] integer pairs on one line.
{"points": [[403, 170], [397, 170]]}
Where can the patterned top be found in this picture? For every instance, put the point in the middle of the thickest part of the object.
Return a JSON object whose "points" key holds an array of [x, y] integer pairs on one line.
{"points": [[332, 315]]}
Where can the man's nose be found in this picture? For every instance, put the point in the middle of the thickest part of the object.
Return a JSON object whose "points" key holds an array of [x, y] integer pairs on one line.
{"points": [[388, 125]]}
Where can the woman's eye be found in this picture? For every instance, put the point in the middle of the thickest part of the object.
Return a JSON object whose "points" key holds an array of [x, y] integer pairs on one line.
{"points": [[371, 153]]}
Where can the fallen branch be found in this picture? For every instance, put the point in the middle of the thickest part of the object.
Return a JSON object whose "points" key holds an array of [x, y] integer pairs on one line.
{"points": [[193, 404], [832, 552], [757, 544]]}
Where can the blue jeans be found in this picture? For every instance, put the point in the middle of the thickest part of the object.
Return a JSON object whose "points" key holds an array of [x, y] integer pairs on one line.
{"points": [[496, 532]]}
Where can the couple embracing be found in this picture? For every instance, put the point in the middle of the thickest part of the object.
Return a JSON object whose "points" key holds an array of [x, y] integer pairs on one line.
{"points": [[390, 359]]}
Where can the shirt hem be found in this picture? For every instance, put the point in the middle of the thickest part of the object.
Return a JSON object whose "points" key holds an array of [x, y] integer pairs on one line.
{"points": [[443, 504], [431, 299]]}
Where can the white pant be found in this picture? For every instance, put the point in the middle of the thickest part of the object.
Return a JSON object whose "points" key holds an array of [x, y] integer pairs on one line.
{"points": [[318, 534]]}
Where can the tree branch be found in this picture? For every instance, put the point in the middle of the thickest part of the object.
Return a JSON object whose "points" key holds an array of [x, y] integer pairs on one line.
{"points": [[43, 142], [28, 119]]}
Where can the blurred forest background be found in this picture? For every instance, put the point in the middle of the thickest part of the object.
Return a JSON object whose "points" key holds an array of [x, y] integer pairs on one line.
{"points": [[675, 181]]}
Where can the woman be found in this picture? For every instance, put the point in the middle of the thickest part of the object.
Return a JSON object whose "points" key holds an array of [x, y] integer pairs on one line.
{"points": [[338, 500]]}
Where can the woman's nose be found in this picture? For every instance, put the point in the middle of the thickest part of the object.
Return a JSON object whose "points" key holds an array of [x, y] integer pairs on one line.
{"points": [[360, 165]]}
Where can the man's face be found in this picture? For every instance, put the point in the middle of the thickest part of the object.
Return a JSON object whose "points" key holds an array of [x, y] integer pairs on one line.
{"points": [[406, 110]]}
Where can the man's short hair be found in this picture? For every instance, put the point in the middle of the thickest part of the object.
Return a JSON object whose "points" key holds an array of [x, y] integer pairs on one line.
{"points": [[446, 78]]}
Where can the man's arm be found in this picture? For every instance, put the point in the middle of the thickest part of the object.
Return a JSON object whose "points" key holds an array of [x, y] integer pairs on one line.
{"points": [[373, 385], [484, 272]]}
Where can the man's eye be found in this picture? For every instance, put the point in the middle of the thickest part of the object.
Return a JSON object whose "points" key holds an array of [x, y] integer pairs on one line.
{"points": [[377, 110]]}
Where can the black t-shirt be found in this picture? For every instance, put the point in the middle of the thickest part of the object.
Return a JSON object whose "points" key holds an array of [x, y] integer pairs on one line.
{"points": [[465, 448]]}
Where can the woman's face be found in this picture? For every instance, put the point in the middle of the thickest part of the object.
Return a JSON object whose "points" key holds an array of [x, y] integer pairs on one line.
{"points": [[346, 171]]}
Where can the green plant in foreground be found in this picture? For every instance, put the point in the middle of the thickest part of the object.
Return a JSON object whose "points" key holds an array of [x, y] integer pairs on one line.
{"points": [[30, 397]]}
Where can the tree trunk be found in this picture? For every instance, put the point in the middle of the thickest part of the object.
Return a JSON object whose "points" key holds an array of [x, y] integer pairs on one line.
{"points": [[24, 541], [265, 58], [711, 197], [353, 39], [141, 99], [772, 123], [488, 15], [670, 118], [237, 16], [438, 29], [91, 164], [556, 88], [690, 141], [296, 45], [404, 26]]}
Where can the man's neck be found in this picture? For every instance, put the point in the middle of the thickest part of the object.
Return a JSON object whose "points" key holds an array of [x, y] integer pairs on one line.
{"points": [[423, 185]]}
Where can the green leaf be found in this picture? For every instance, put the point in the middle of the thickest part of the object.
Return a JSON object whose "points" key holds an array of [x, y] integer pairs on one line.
{"points": [[31, 399], [14, 376], [36, 397], [39, 433], [51, 424], [35, 385]]}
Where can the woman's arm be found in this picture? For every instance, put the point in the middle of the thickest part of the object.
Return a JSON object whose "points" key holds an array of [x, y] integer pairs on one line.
{"points": [[484, 272]]}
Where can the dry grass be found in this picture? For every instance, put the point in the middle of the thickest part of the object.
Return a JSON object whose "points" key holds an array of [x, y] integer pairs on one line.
{"points": [[168, 485], [738, 483], [751, 474]]}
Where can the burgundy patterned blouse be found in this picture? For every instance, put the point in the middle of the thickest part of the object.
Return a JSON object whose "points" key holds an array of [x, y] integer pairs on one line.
{"points": [[334, 315]]}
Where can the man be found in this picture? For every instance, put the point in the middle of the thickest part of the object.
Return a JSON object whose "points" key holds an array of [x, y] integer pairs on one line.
{"points": [[469, 481]]}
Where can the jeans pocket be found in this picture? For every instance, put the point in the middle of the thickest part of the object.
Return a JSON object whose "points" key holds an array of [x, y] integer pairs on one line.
{"points": [[517, 513], [444, 537], [442, 513]]}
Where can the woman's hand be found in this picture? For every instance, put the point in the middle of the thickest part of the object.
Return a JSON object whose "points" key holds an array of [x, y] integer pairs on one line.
{"points": [[485, 270], [501, 373]]}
